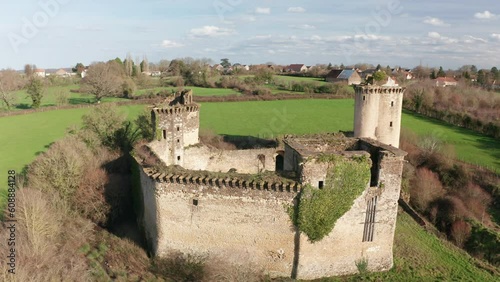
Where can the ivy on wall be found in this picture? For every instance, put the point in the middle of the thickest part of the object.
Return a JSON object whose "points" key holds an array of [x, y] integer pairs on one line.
{"points": [[317, 210]]}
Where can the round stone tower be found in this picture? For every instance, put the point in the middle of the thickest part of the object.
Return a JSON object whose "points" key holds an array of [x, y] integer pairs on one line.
{"points": [[377, 113]]}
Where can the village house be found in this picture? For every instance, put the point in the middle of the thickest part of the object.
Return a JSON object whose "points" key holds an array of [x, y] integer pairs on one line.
{"points": [[39, 72], [445, 81], [350, 76], [296, 68]]}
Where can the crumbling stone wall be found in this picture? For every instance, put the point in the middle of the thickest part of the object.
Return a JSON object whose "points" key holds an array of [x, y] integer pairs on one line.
{"points": [[252, 225], [250, 161]]}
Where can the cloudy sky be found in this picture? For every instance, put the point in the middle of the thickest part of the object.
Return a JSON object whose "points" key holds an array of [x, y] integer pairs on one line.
{"points": [[60, 33]]}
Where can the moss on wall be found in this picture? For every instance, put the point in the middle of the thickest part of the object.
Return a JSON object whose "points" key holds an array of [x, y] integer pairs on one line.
{"points": [[317, 210]]}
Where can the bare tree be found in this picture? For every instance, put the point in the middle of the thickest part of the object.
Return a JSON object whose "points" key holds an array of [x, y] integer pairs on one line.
{"points": [[10, 81], [104, 80]]}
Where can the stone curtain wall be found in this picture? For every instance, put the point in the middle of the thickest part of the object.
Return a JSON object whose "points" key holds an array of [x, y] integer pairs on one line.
{"points": [[244, 161], [251, 226]]}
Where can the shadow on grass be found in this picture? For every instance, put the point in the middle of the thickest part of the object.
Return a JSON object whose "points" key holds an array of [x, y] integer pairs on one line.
{"points": [[481, 142]]}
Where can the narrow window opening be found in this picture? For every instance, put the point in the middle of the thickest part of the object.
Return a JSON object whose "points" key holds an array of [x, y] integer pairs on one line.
{"points": [[164, 134], [321, 184], [364, 98], [178, 140], [178, 158], [369, 228], [195, 202], [390, 124], [178, 128], [392, 104]]}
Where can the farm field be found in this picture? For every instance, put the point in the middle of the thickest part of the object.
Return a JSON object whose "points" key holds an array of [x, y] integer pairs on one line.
{"points": [[26, 135], [50, 94], [197, 91]]}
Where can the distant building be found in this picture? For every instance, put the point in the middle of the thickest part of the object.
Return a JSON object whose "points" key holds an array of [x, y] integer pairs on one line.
{"points": [[350, 76], [62, 73], [296, 68], [39, 72], [445, 81]]}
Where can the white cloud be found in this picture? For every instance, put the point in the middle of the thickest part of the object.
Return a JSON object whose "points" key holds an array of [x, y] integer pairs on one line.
{"points": [[210, 31], [472, 39], [434, 35], [265, 11], [316, 38], [486, 15], [303, 26], [495, 36], [435, 22], [170, 44], [296, 10]]}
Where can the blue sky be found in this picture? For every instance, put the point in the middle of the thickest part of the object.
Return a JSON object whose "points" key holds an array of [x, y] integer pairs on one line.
{"points": [[390, 32]]}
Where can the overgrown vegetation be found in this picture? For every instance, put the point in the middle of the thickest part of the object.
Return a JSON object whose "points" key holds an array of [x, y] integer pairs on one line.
{"points": [[458, 199], [317, 210]]}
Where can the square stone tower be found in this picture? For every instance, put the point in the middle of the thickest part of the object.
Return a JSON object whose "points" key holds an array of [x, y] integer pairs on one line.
{"points": [[377, 113], [176, 125]]}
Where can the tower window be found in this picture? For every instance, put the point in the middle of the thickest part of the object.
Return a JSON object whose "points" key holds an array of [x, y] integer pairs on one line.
{"points": [[364, 98], [178, 141], [390, 124], [195, 202], [392, 104], [178, 128], [164, 134], [178, 158], [321, 184]]}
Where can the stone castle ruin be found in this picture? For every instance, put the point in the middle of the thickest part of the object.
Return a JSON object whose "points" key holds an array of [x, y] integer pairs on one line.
{"points": [[235, 205]]}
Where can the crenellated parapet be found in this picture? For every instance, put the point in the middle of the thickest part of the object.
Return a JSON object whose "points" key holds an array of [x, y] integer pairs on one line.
{"points": [[177, 110], [223, 182], [372, 89]]}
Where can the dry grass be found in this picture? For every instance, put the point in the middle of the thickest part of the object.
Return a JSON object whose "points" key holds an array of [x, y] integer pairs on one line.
{"points": [[46, 240]]}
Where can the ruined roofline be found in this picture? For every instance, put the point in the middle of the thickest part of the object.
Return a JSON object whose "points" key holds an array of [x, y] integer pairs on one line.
{"points": [[391, 149], [375, 89], [186, 178]]}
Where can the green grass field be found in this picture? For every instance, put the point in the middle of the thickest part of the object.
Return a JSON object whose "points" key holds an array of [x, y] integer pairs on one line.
{"points": [[197, 91], [287, 78], [421, 256], [50, 94]]}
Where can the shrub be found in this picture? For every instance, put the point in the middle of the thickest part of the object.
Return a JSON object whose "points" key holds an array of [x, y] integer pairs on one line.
{"points": [[460, 232], [425, 189], [60, 168]]}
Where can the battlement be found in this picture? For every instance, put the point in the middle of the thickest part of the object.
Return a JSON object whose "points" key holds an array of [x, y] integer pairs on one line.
{"points": [[176, 110], [227, 182], [372, 89]]}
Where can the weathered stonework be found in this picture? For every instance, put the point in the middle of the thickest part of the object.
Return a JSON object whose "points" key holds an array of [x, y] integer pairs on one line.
{"points": [[247, 221], [378, 113]]}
